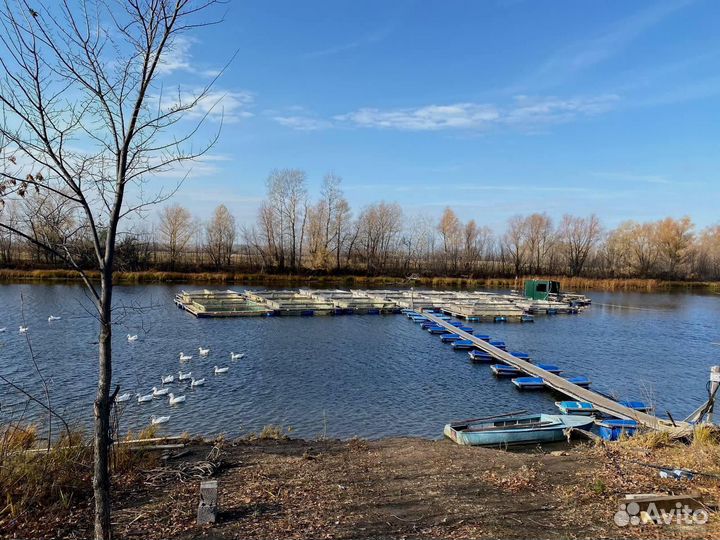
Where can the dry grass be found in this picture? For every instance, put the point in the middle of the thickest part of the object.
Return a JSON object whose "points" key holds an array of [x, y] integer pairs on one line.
{"points": [[569, 283], [272, 432], [31, 479], [705, 436], [35, 477]]}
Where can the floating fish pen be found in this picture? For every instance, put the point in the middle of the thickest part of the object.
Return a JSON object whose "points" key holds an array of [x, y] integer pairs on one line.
{"points": [[350, 302], [490, 309], [292, 303], [219, 304], [467, 306]]}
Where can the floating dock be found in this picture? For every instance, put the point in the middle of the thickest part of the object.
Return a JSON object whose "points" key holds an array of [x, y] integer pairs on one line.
{"points": [[219, 304], [564, 386], [465, 305]]}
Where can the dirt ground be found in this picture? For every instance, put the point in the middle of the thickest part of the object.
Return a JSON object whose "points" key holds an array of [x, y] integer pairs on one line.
{"points": [[392, 488]]}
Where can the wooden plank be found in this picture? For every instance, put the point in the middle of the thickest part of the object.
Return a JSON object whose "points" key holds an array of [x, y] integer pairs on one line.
{"points": [[561, 384]]}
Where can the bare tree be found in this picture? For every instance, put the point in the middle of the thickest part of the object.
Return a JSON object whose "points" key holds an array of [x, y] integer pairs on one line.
{"points": [[540, 241], [379, 226], [675, 240], [8, 244], [220, 237], [450, 230], [476, 244], [82, 117], [514, 244], [578, 236], [176, 228]]}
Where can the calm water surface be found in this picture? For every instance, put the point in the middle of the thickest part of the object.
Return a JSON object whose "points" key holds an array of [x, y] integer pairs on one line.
{"points": [[363, 375]]}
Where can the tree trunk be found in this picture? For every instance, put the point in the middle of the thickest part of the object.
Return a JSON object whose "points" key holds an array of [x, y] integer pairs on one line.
{"points": [[101, 473]]}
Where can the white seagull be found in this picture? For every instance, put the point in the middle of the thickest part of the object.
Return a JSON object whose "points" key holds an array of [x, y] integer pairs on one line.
{"points": [[145, 398], [3, 329], [132, 338], [198, 382], [185, 357], [52, 318], [168, 379], [159, 419], [219, 370], [236, 356], [184, 376], [174, 400], [23, 329], [203, 352], [157, 392]]}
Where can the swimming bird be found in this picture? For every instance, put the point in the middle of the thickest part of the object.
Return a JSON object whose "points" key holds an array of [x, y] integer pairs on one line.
{"points": [[168, 379], [184, 376], [52, 318], [159, 419], [236, 356], [219, 370], [157, 392], [23, 329], [185, 357], [198, 382], [174, 400], [3, 329], [145, 398], [203, 352], [132, 338], [123, 397]]}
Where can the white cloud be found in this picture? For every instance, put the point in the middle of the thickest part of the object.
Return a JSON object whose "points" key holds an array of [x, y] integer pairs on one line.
{"points": [[523, 112], [530, 112], [215, 104], [430, 117], [178, 57], [302, 123]]}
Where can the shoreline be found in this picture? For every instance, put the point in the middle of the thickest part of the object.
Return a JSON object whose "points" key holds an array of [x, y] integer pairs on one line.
{"points": [[395, 487], [9, 276]]}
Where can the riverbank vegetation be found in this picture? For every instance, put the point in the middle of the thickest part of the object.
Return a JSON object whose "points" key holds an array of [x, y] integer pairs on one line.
{"points": [[277, 487], [298, 236], [16, 275]]}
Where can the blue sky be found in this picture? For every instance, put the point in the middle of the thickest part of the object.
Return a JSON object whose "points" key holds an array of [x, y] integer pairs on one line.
{"points": [[493, 108]]}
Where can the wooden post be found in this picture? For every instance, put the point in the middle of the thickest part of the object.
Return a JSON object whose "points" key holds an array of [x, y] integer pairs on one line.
{"points": [[208, 505], [714, 382]]}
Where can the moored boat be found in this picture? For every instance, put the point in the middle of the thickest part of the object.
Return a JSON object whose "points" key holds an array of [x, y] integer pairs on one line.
{"points": [[613, 428], [580, 380], [521, 355], [448, 338], [550, 368], [502, 370], [499, 345], [438, 330], [515, 430], [576, 407], [639, 406], [480, 356], [463, 345], [529, 383]]}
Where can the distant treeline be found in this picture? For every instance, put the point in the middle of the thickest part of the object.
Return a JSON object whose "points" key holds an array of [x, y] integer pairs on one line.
{"points": [[295, 235]]}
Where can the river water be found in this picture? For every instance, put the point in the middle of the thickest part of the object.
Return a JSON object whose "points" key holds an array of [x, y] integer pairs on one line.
{"points": [[344, 376]]}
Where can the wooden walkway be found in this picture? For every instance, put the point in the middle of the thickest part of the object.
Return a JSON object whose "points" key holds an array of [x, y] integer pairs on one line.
{"points": [[562, 385]]}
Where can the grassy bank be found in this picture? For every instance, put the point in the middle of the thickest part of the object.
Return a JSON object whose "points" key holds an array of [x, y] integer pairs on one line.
{"points": [[289, 280], [275, 487]]}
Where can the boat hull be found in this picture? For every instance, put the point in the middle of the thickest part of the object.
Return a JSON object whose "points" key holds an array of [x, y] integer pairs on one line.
{"points": [[553, 432]]}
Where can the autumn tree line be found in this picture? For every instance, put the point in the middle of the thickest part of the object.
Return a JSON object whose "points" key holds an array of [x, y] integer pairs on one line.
{"points": [[295, 234]]}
